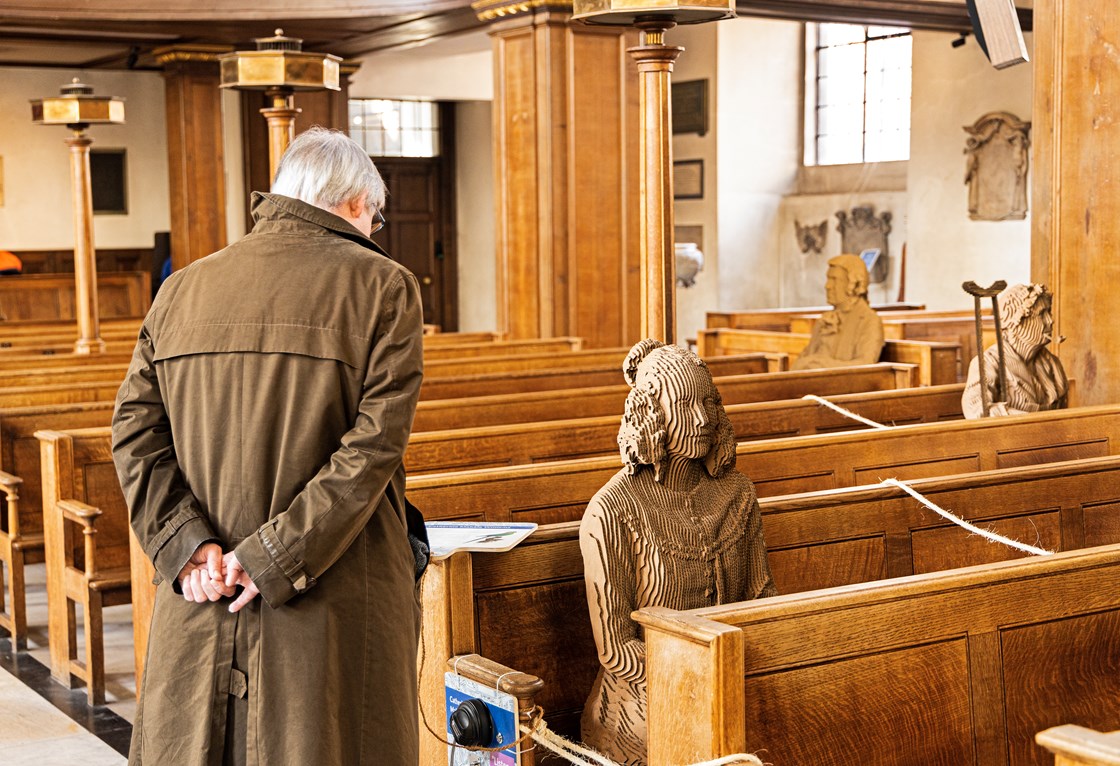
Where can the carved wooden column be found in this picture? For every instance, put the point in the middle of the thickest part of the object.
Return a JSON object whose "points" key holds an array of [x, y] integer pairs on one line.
{"points": [[85, 259], [196, 165], [655, 65], [1075, 229], [566, 162]]}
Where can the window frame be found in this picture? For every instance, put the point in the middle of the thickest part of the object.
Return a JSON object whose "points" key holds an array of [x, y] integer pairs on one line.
{"points": [[811, 65]]}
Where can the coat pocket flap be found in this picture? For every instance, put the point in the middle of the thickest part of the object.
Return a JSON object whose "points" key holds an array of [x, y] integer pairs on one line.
{"points": [[264, 338]]}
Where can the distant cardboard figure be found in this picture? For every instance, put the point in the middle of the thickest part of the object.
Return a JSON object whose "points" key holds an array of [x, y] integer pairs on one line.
{"points": [[852, 332], [678, 527], [1036, 380]]}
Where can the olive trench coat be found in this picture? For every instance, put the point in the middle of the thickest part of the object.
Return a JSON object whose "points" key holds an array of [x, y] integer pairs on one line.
{"points": [[267, 408]]}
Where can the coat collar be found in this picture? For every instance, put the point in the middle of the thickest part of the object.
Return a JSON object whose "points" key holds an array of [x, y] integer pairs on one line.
{"points": [[278, 208]]}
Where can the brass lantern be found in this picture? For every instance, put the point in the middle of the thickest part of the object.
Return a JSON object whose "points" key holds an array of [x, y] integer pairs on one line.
{"points": [[279, 67], [627, 12], [77, 108]]}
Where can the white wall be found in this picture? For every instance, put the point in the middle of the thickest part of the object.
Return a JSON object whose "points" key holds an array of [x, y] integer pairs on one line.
{"points": [[457, 68], [37, 210], [474, 169], [759, 153], [698, 62], [952, 88]]}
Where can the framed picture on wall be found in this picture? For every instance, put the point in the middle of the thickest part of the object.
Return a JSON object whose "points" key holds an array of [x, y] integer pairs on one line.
{"points": [[690, 106], [688, 179]]}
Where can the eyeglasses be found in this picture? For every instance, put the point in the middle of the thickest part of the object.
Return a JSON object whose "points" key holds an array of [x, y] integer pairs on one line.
{"points": [[378, 223]]}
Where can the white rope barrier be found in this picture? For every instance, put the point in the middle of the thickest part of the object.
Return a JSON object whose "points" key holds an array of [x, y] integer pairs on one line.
{"points": [[842, 411], [583, 756], [988, 534]]}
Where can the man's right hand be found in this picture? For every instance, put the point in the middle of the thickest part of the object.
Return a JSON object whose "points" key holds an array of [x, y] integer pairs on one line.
{"points": [[236, 575]]}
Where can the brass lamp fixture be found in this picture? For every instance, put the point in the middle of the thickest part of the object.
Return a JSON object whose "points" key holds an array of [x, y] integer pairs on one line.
{"points": [[655, 64], [77, 108], [280, 67]]}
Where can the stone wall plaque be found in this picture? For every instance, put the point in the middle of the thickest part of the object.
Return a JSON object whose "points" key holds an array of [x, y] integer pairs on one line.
{"points": [[863, 230], [998, 152]]}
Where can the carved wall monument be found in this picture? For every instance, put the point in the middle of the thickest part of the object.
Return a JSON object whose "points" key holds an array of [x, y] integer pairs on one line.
{"points": [[811, 238], [998, 160], [1035, 378], [678, 526], [852, 332], [863, 230]]}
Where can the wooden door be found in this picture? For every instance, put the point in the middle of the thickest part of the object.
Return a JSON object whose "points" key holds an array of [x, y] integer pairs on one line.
{"points": [[419, 232]]}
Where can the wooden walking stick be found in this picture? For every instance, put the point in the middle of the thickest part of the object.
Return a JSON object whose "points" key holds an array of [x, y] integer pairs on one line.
{"points": [[977, 292]]}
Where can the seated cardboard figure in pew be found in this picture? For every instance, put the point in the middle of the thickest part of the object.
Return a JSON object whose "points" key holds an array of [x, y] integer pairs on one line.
{"points": [[852, 332], [678, 526], [1019, 374]]}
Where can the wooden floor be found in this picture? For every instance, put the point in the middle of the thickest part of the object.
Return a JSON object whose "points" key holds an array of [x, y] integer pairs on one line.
{"points": [[45, 723]]}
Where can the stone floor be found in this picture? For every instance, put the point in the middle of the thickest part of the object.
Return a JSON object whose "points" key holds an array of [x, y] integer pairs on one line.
{"points": [[45, 723]]}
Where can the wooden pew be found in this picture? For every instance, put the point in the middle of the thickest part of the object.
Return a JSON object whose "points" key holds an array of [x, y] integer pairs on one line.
{"points": [[1077, 746], [938, 363], [505, 378], [59, 393], [437, 351], [525, 443], [942, 327], [51, 296], [778, 320], [85, 523], [438, 338], [47, 375], [961, 666], [559, 491], [527, 608], [21, 537], [116, 354], [536, 406]]}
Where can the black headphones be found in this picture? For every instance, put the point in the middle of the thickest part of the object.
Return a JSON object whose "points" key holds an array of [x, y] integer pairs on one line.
{"points": [[471, 724]]}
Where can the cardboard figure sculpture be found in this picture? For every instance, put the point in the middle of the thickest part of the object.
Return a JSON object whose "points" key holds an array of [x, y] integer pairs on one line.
{"points": [[1036, 380], [678, 527], [852, 332]]}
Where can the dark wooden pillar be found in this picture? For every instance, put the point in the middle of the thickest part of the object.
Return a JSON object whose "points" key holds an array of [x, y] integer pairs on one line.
{"points": [[566, 153], [1075, 221], [196, 166]]}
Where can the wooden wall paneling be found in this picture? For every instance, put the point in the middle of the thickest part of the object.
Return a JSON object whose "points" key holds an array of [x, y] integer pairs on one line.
{"points": [[565, 127], [1075, 229], [196, 162]]}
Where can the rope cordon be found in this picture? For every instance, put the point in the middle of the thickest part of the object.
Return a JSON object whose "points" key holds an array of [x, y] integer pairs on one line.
{"points": [[985, 533], [584, 756], [842, 411]]}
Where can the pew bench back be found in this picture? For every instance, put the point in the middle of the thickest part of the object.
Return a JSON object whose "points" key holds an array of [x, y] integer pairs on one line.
{"points": [[961, 666]]}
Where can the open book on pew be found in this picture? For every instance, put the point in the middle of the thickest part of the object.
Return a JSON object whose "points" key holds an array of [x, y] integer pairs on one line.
{"points": [[447, 537]]}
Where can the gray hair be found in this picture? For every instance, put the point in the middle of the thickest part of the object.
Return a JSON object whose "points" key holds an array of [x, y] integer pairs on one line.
{"points": [[326, 168]]}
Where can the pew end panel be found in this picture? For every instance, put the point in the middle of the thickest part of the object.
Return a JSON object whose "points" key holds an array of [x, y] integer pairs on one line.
{"points": [[85, 522], [699, 708], [522, 686], [1078, 746], [970, 663], [19, 546]]}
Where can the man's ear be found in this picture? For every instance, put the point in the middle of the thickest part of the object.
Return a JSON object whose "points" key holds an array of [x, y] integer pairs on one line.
{"points": [[357, 206]]}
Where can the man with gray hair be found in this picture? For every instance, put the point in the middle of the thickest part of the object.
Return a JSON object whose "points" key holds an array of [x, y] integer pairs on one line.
{"points": [[259, 437]]}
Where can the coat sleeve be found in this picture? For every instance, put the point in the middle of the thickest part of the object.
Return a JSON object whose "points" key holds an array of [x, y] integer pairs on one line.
{"points": [[165, 515], [290, 551]]}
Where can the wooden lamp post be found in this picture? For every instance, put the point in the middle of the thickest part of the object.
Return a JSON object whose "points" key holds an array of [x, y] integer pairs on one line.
{"points": [[279, 67], [655, 65], [77, 108]]}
